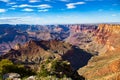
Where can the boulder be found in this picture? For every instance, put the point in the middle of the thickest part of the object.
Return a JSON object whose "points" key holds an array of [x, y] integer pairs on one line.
{"points": [[31, 78], [13, 76]]}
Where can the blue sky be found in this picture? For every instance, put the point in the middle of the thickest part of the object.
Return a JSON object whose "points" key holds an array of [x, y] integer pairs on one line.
{"points": [[59, 11]]}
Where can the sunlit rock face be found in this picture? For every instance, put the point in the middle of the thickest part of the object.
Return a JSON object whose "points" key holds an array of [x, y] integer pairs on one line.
{"points": [[106, 64]]}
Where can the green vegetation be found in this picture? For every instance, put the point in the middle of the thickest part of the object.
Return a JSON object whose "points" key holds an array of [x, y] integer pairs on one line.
{"points": [[0, 77], [6, 66], [3, 63], [57, 69], [49, 69]]}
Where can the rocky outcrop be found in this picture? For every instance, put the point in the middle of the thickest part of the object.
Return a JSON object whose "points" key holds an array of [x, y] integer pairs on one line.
{"points": [[11, 76], [31, 78], [17, 46], [106, 65]]}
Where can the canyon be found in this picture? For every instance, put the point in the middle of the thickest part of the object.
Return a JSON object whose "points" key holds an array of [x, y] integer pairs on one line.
{"points": [[93, 50]]}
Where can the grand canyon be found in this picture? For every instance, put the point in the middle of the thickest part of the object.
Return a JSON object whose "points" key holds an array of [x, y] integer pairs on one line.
{"points": [[59, 39], [81, 51]]}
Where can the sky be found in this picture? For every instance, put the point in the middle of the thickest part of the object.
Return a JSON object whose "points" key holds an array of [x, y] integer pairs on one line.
{"points": [[59, 11]]}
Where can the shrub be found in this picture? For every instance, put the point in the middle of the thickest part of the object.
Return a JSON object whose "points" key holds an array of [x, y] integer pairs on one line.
{"points": [[18, 69], [4, 62], [58, 68], [43, 71], [6, 66]]}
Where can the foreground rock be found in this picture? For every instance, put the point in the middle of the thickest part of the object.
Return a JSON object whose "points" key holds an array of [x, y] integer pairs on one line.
{"points": [[31, 78], [11, 76]]}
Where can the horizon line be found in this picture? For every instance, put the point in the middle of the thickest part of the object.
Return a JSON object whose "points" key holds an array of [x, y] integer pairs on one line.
{"points": [[61, 23]]}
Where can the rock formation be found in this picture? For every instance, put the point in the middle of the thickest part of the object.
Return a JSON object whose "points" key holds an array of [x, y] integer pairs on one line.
{"points": [[106, 65], [34, 52]]}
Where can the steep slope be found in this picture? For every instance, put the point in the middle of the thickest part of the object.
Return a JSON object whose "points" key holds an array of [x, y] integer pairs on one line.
{"points": [[34, 52], [83, 37], [105, 66], [81, 34]]}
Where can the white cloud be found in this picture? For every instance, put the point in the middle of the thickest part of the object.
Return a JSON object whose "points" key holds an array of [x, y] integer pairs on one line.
{"points": [[43, 10], [4, 0], [65, 0], [21, 20], [2, 10], [89, 0], [42, 6], [9, 19], [33, 1], [24, 5], [73, 5], [52, 1], [28, 10], [93, 0]]}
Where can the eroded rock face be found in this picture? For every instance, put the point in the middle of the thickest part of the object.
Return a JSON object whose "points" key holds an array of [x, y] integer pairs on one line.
{"points": [[81, 34], [106, 65], [108, 35]]}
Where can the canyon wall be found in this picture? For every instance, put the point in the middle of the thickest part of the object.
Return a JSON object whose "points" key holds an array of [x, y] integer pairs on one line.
{"points": [[106, 65]]}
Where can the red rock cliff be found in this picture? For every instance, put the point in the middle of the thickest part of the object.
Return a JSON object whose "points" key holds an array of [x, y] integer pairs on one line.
{"points": [[105, 66], [108, 34]]}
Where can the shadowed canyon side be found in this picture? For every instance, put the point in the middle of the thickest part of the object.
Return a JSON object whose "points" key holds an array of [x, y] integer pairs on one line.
{"points": [[105, 66], [36, 51]]}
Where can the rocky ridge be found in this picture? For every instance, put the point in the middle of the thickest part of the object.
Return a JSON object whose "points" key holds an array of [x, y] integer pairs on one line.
{"points": [[34, 52]]}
